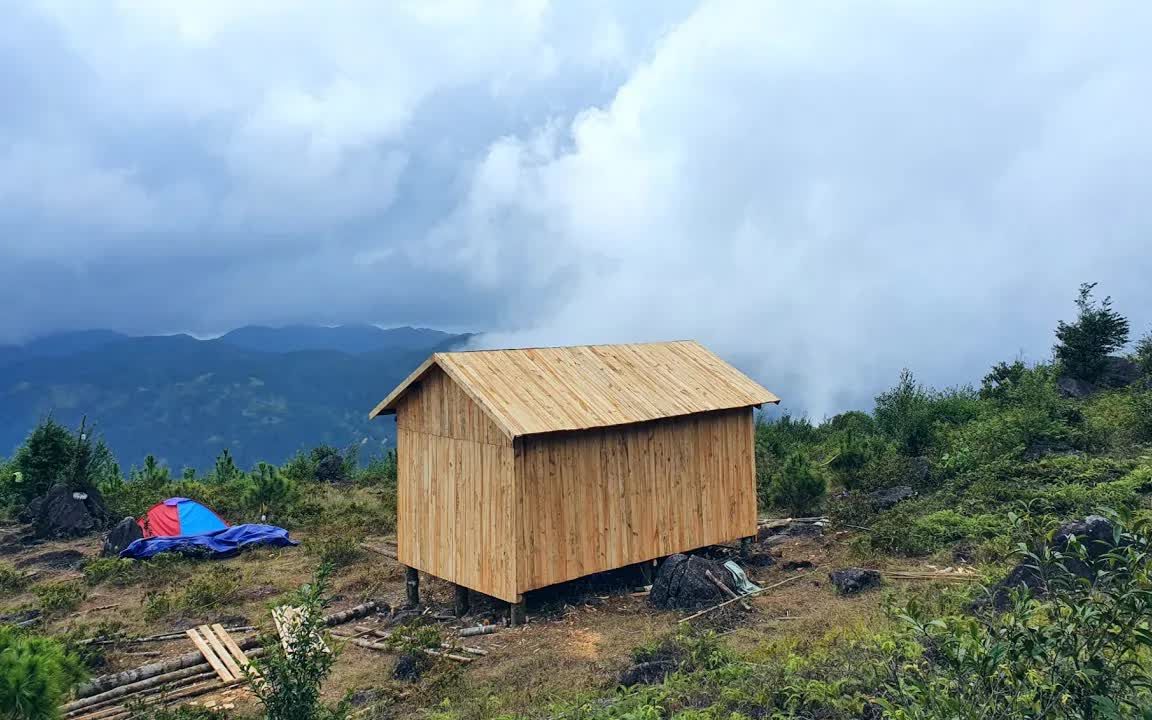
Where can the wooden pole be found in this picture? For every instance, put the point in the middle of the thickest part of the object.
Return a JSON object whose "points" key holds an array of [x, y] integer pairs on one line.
{"points": [[705, 611], [412, 582], [725, 589], [517, 612], [745, 546], [462, 601]]}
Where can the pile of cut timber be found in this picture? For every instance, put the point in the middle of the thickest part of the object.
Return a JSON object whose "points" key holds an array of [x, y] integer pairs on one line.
{"points": [[178, 680]]}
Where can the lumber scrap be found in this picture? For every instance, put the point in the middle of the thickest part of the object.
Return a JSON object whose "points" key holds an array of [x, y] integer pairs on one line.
{"points": [[178, 635], [136, 695], [705, 611], [116, 712], [195, 673], [107, 682], [478, 630], [222, 668], [354, 613], [726, 590]]}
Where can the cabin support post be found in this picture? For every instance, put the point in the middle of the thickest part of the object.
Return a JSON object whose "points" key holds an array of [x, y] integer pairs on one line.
{"points": [[745, 547], [412, 583], [517, 612], [462, 601], [647, 571]]}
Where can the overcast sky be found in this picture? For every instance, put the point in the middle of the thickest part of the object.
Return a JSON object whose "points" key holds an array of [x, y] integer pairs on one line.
{"points": [[823, 191]]}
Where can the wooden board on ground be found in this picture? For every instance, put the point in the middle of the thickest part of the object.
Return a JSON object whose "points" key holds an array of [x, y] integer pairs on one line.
{"points": [[221, 651]]}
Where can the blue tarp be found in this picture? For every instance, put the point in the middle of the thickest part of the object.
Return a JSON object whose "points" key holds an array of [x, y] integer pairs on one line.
{"points": [[220, 543]]}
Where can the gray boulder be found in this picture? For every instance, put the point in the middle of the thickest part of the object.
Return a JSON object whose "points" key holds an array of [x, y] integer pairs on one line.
{"points": [[64, 513], [121, 536]]}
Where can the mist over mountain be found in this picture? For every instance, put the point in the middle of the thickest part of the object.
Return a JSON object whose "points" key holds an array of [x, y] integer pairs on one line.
{"points": [[261, 392]]}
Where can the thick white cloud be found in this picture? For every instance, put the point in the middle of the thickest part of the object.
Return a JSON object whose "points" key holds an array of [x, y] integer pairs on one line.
{"points": [[829, 191], [823, 191]]}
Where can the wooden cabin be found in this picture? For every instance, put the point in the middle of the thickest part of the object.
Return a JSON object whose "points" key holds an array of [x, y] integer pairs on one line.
{"points": [[519, 469]]}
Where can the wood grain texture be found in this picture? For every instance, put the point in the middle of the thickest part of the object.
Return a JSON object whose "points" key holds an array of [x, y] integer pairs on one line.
{"points": [[603, 499], [454, 511], [538, 390], [521, 469]]}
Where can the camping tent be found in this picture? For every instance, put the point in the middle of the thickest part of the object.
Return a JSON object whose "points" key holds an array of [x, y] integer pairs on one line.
{"points": [[179, 516]]}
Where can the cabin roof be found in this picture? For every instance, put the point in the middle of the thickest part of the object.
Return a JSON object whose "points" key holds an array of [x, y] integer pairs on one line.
{"points": [[538, 390]]}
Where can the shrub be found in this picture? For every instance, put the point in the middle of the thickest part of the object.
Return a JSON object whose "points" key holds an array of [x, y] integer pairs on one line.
{"points": [[60, 596], [35, 675], [339, 549], [293, 677], [43, 459], [902, 414], [1083, 345], [1079, 652], [852, 455], [1142, 354], [118, 571], [217, 587], [269, 491], [799, 486], [12, 580]]}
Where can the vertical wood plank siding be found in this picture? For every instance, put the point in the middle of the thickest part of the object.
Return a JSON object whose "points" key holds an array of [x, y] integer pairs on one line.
{"points": [[455, 504], [601, 499]]}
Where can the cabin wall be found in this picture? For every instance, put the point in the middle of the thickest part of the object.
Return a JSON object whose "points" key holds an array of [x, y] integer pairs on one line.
{"points": [[600, 499], [455, 476]]}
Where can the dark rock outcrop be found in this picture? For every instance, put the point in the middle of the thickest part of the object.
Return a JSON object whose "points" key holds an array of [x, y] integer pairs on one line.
{"points": [[889, 497], [1118, 372], [1094, 533], [121, 536], [852, 581], [64, 513], [682, 583]]}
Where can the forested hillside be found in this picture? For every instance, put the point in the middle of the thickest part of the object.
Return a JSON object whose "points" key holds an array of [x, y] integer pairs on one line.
{"points": [[261, 393]]}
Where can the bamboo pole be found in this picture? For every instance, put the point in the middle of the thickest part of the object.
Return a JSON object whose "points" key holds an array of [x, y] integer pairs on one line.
{"points": [[705, 611]]}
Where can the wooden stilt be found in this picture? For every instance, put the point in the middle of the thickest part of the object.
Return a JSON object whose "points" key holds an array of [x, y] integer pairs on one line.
{"points": [[517, 612], [647, 571], [412, 582], [745, 547], [462, 601]]}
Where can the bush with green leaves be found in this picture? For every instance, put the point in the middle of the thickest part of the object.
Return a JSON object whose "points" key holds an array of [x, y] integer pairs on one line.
{"points": [[42, 460], [1078, 649], [12, 580], [294, 675], [1083, 345], [36, 674], [1142, 353], [60, 597], [912, 414], [799, 486]]}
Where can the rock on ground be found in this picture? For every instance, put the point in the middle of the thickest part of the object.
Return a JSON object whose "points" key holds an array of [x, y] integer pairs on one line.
{"points": [[410, 666], [851, 581], [1094, 533], [62, 513], [682, 583], [890, 497], [121, 536]]}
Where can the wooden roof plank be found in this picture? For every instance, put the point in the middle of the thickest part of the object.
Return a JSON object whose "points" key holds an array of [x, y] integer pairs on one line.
{"points": [[536, 390]]}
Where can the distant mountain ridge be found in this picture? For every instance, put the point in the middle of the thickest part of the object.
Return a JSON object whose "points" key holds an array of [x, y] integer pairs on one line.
{"points": [[261, 392]]}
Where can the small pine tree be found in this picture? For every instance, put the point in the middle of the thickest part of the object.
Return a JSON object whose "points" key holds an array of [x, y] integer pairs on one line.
{"points": [[44, 458], [225, 470], [1001, 379], [268, 490], [35, 675], [799, 486], [1082, 346]]}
